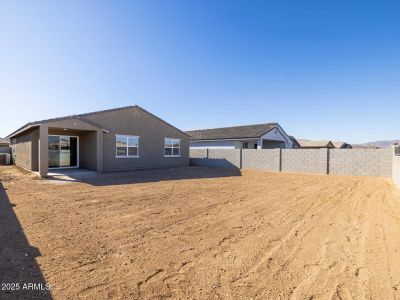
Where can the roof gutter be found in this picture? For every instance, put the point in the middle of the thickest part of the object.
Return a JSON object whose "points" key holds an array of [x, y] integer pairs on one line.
{"points": [[23, 129]]}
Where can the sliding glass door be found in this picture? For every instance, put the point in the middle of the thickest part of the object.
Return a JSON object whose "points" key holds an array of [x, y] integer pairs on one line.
{"points": [[63, 151]]}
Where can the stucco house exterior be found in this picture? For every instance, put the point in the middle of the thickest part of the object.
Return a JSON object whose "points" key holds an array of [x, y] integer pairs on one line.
{"points": [[124, 138], [258, 136]]}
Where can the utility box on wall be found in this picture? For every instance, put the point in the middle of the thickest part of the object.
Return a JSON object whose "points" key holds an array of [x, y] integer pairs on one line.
{"points": [[5, 159]]}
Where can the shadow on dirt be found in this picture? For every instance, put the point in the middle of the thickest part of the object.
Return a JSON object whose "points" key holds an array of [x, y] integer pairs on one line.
{"points": [[146, 176], [20, 275]]}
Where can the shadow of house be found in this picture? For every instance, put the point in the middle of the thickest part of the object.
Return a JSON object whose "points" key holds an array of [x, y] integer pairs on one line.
{"points": [[214, 163], [148, 175], [18, 267]]}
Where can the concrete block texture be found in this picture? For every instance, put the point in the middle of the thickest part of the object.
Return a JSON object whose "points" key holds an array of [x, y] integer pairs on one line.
{"points": [[396, 170], [225, 158], [222, 158], [198, 153], [261, 159], [363, 162], [305, 160], [358, 162]]}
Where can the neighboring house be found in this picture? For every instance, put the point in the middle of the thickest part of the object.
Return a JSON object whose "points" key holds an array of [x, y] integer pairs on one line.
{"points": [[124, 138], [4, 142], [259, 136], [307, 144], [295, 142], [341, 145]]}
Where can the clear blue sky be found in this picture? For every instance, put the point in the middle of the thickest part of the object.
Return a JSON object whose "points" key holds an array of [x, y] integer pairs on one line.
{"points": [[322, 69]]}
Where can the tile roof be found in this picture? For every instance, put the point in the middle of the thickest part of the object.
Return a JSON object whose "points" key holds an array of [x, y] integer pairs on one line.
{"points": [[294, 141], [340, 144], [236, 132], [315, 144], [82, 117], [4, 141]]}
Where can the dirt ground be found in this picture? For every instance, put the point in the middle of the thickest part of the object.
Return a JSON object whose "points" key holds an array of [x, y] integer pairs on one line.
{"points": [[197, 233]]}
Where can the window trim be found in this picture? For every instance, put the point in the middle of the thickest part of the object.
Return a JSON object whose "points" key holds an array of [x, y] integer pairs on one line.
{"points": [[397, 150], [179, 148], [127, 146]]}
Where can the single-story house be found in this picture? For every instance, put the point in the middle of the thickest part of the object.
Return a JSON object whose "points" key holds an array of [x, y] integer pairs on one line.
{"points": [[341, 145], [295, 142], [307, 144], [4, 142], [258, 136], [124, 138]]}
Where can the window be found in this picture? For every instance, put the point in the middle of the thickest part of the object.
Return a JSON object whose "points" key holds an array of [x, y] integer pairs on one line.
{"points": [[397, 150], [127, 146], [245, 145], [172, 147]]}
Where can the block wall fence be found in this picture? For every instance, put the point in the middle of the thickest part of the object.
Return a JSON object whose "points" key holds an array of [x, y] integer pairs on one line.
{"points": [[368, 162], [396, 170]]}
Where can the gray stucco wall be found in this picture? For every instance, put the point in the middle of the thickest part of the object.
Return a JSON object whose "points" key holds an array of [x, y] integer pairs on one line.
{"points": [[35, 150], [87, 150], [23, 149], [268, 144], [268, 159], [151, 131]]}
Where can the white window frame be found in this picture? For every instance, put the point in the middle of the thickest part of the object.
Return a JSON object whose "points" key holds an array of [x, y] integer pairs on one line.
{"points": [[127, 146], [172, 152]]}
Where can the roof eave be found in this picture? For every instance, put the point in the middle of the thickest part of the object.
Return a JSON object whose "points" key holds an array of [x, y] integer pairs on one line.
{"points": [[224, 139], [21, 130]]}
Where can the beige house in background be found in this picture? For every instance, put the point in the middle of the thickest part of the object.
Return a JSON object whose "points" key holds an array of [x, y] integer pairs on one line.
{"points": [[310, 144], [118, 139], [307, 144], [341, 145]]}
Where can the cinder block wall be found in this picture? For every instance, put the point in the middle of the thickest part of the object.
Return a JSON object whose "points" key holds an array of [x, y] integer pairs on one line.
{"points": [[369, 162], [198, 153], [305, 160], [268, 159], [198, 157], [396, 170], [222, 158]]}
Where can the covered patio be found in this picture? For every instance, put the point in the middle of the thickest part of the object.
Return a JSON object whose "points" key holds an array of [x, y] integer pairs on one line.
{"points": [[71, 143], [61, 144]]}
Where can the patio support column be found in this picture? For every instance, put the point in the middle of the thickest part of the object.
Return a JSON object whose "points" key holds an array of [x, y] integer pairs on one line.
{"points": [[99, 151], [259, 143], [43, 150]]}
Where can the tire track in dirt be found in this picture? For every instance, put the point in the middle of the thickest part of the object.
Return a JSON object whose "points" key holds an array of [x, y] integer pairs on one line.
{"points": [[260, 235]]}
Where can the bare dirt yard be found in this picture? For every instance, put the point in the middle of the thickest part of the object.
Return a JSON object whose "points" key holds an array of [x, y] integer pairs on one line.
{"points": [[197, 233]]}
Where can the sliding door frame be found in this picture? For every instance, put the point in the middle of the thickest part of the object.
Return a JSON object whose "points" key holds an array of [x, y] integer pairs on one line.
{"points": [[77, 151]]}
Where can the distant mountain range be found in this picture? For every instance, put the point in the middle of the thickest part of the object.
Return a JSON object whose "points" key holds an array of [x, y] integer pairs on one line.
{"points": [[377, 144]]}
